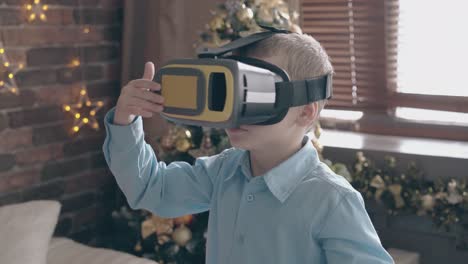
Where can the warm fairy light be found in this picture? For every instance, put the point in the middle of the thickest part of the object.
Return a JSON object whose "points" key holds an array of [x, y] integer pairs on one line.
{"points": [[37, 10], [187, 132], [81, 118], [75, 62], [21, 65], [86, 30], [7, 81]]}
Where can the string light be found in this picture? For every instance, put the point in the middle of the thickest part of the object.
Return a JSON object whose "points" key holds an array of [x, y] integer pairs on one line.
{"points": [[84, 116], [84, 111], [8, 71], [36, 10]]}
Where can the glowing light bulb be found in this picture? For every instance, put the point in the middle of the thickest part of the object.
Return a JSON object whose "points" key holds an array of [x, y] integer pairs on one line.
{"points": [[67, 108], [92, 113], [83, 92], [77, 115], [85, 120], [76, 128]]}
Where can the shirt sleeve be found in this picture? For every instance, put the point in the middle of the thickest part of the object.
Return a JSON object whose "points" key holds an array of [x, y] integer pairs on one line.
{"points": [[166, 190], [348, 235]]}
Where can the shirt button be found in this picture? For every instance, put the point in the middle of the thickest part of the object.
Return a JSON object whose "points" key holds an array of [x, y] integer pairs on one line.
{"points": [[250, 198]]}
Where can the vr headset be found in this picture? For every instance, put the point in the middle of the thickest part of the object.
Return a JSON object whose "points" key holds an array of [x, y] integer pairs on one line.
{"points": [[225, 91]]}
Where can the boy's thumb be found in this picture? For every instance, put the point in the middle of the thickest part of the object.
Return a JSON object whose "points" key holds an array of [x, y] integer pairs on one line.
{"points": [[149, 71]]}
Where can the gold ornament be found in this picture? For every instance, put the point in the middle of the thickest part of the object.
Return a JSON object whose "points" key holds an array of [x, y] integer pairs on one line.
{"points": [[84, 111], [8, 71], [162, 225], [265, 15], [183, 220], [183, 145], [245, 14], [396, 189], [36, 10], [206, 147], [378, 183], [182, 235], [217, 23]]}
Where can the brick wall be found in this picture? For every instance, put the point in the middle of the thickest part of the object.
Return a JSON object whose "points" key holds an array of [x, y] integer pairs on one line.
{"points": [[39, 159]]}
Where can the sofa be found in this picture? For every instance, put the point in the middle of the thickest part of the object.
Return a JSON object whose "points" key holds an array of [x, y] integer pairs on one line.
{"points": [[26, 231]]}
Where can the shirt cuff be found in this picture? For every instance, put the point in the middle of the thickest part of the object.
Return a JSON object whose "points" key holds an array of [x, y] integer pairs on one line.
{"points": [[123, 137]]}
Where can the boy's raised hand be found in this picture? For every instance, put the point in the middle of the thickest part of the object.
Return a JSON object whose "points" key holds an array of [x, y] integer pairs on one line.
{"points": [[138, 98]]}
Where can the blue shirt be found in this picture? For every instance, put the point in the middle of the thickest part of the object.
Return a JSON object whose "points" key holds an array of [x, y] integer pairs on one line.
{"points": [[298, 212]]}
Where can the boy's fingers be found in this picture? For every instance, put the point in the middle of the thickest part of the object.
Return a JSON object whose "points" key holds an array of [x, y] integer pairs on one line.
{"points": [[145, 84], [139, 111], [149, 71], [146, 105], [149, 96]]}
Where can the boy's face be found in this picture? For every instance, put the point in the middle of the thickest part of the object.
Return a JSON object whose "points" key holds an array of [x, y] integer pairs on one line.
{"points": [[252, 137]]}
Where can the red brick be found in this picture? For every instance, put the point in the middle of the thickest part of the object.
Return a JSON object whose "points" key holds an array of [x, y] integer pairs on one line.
{"points": [[49, 190], [39, 154], [71, 75], [51, 56], [57, 94], [9, 16], [14, 55], [112, 71], [97, 16], [4, 123], [55, 16], [9, 100], [103, 89], [7, 161], [101, 53], [15, 138], [68, 167], [35, 116], [35, 77], [18, 180], [49, 134], [84, 145], [34, 36]]}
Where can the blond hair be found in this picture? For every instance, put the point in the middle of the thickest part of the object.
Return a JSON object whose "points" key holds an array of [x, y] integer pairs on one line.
{"points": [[301, 56]]}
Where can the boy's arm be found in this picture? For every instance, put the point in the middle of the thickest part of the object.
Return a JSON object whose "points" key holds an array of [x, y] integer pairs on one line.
{"points": [[169, 191], [348, 235]]}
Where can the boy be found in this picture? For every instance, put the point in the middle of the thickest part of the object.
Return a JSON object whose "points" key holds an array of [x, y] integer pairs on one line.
{"points": [[270, 198]]}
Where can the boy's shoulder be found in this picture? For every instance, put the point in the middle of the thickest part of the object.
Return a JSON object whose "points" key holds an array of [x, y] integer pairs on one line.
{"points": [[322, 179]]}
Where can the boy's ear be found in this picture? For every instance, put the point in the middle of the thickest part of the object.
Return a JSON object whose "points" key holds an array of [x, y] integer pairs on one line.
{"points": [[307, 114]]}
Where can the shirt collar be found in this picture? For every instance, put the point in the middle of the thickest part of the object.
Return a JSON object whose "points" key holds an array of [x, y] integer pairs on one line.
{"points": [[283, 179]]}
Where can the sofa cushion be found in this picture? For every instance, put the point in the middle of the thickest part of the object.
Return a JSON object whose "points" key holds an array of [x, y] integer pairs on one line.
{"points": [[26, 230], [67, 251]]}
